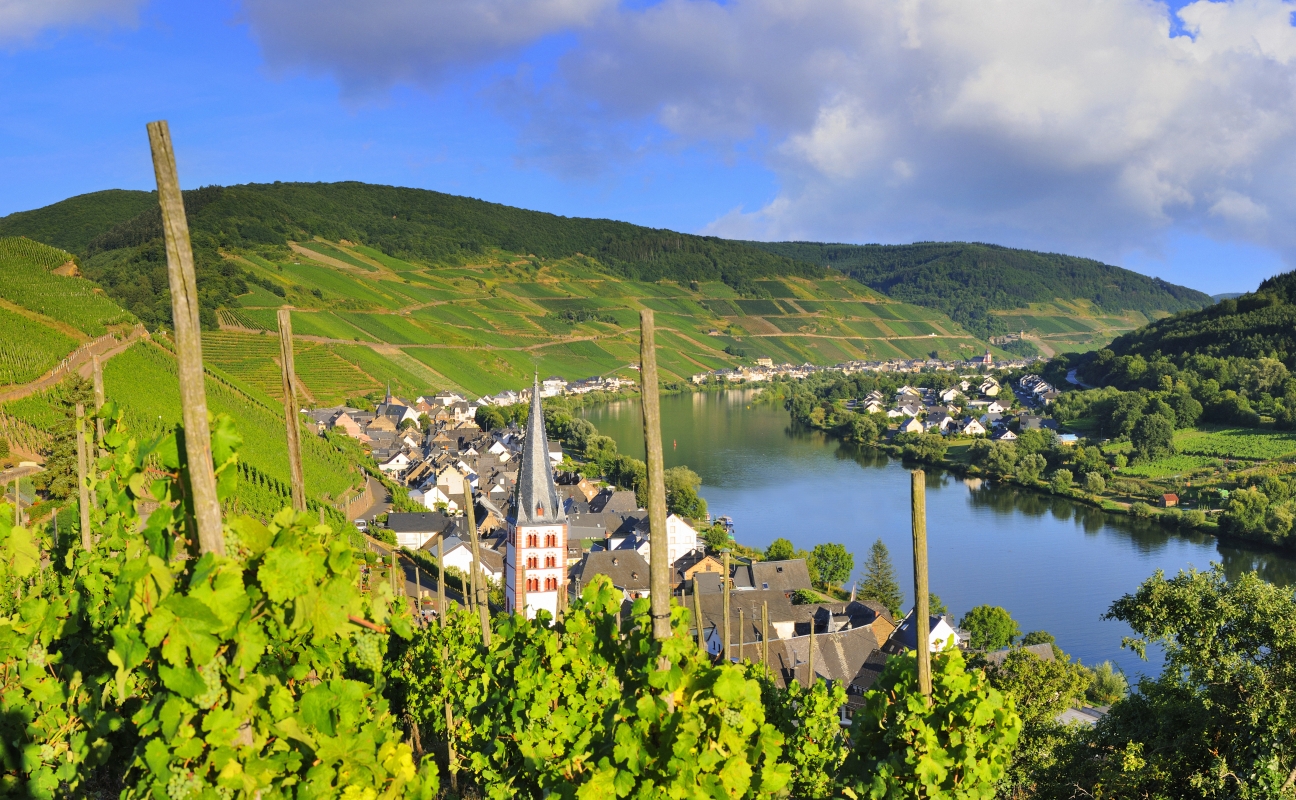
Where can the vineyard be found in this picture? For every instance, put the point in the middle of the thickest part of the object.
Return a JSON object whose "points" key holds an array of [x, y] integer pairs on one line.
{"points": [[28, 349], [26, 281], [1243, 443], [116, 651]]}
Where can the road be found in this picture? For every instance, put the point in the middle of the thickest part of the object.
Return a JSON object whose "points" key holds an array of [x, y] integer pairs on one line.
{"points": [[1075, 381]]}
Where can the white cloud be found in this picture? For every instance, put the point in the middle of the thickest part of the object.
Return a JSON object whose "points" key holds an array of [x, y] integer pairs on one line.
{"points": [[1069, 126], [22, 20]]}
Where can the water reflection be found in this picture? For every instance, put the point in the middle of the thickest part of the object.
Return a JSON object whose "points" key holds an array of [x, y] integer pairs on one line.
{"points": [[1055, 564]]}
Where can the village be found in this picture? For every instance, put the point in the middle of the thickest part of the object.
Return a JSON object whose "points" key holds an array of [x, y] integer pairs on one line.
{"points": [[543, 530]]}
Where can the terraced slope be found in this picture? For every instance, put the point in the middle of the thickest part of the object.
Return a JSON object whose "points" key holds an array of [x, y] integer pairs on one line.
{"points": [[363, 320]]}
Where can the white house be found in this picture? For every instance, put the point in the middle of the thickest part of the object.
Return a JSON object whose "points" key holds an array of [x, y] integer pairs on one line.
{"points": [[990, 387], [395, 464], [998, 407], [681, 538], [950, 395], [972, 427], [458, 554], [941, 633]]}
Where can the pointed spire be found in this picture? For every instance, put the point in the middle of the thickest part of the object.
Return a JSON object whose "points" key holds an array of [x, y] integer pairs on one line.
{"points": [[537, 497]]}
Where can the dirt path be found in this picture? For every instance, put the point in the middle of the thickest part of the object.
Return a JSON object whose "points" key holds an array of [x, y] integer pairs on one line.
{"points": [[80, 363]]}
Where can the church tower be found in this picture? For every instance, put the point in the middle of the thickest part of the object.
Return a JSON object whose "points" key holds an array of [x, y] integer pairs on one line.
{"points": [[535, 558]]}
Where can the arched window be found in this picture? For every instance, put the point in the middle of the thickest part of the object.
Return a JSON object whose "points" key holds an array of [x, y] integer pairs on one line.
{"points": [[532, 540], [551, 540], [532, 562], [550, 562]]}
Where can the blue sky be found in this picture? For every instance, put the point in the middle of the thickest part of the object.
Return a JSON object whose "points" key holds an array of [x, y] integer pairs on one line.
{"points": [[816, 120]]}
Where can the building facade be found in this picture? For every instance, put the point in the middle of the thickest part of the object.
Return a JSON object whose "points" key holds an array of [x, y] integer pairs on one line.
{"points": [[535, 558]]}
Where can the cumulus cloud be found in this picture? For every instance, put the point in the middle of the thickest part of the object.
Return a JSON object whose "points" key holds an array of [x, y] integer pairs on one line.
{"points": [[22, 20], [1088, 127]]}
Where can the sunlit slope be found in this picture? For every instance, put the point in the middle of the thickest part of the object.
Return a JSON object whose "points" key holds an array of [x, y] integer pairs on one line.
{"points": [[363, 319]]}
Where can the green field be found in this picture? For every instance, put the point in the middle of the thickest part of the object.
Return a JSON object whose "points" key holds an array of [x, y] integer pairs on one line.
{"points": [[26, 281], [1169, 467], [1244, 443], [28, 349]]}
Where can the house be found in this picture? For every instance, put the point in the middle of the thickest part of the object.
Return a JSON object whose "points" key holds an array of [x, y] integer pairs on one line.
{"points": [[418, 529], [458, 555], [940, 631], [627, 569], [950, 395], [681, 538], [696, 563], [765, 362], [780, 576], [972, 427], [997, 407], [1169, 500], [990, 387], [395, 463], [1005, 435], [912, 426], [552, 386]]}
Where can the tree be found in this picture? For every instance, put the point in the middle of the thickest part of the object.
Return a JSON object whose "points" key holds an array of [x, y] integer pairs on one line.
{"points": [[716, 538], [1094, 483], [957, 747], [880, 584], [681, 493], [1037, 637], [1153, 437], [1031, 466], [935, 605], [1062, 480], [833, 562], [1106, 685], [1219, 717], [805, 597], [989, 628], [779, 550]]}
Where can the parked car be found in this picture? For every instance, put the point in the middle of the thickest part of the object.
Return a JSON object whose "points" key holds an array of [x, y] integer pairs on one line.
{"points": [[361, 525]]}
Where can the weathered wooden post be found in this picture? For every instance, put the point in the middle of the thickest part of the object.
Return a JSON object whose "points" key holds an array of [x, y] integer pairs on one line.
{"points": [[697, 612], [724, 579], [17, 484], [482, 601], [418, 596], [83, 495], [441, 601], [290, 410], [810, 677], [765, 636], [659, 568], [918, 504], [391, 571], [97, 367], [184, 317]]}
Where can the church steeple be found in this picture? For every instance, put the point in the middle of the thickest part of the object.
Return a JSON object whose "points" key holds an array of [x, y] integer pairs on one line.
{"points": [[537, 497]]}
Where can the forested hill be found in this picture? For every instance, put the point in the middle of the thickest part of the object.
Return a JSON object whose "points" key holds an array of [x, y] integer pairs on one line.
{"points": [[117, 234], [967, 281], [1256, 325]]}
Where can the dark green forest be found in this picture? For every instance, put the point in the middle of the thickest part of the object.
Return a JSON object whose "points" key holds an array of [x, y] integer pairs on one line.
{"points": [[117, 235], [968, 280]]}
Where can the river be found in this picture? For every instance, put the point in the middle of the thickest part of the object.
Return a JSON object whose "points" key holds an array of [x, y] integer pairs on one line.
{"points": [[1055, 565]]}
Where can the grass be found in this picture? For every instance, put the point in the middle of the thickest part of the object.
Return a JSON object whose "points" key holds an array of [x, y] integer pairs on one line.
{"points": [[1169, 466]]}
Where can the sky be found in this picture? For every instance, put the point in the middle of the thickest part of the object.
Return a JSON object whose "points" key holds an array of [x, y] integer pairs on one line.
{"points": [[1157, 137]]}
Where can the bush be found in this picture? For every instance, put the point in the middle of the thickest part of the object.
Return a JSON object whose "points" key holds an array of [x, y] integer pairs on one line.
{"points": [[1195, 518], [1141, 510], [1094, 483], [1061, 481]]}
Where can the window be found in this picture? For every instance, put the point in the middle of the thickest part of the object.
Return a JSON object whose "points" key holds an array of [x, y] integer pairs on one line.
{"points": [[533, 585], [550, 562], [532, 562], [551, 540], [551, 584], [532, 540], [764, 585]]}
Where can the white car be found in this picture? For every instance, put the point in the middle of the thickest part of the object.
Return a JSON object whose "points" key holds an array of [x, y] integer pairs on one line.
{"points": [[361, 525]]}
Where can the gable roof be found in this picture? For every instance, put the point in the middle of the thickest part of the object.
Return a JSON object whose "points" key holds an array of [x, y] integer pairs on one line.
{"points": [[627, 569], [783, 576]]}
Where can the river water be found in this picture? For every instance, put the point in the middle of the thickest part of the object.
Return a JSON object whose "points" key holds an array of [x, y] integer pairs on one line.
{"points": [[1055, 565]]}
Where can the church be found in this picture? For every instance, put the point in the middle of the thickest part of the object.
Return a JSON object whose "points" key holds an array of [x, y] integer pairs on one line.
{"points": [[535, 557]]}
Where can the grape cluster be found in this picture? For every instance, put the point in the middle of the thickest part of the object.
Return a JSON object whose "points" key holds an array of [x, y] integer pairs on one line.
{"points": [[183, 785], [36, 654], [211, 675], [368, 650]]}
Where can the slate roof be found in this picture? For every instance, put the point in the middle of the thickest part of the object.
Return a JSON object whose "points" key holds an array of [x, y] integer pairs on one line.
{"points": [[430, 522], [627, 569], [538, 502], [787, 576]]}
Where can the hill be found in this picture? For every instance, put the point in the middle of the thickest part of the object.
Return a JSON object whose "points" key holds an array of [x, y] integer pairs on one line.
{"points": [[1261, 324], [1073, 302], [425, 228]]}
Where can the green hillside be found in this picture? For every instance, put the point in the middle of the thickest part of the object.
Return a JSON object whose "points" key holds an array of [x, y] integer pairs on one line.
{"points": [[1074, 302], [363, 319], [423, 228], [1261, 324]]}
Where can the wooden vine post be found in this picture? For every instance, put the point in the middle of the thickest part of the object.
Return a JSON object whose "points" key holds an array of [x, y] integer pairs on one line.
{"points": [[810, 673], [765, 636], [724, 580], [483, 605], [97, 367], [918, 504], [659, 568], [184, 317], [291, 424], [441, 601], [697, 612], [83, 486]]}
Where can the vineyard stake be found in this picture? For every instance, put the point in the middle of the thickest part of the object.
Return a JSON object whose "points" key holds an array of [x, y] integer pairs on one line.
{"points": [[810, 667], [83, 496], [392, 572], [418, 594], [918, 506], [441, 580], [483, 610], [765, 636], [724, 648], [17, 502], [184, 317], [659, 568], [697, 611], [99, 402], [290, 411]]}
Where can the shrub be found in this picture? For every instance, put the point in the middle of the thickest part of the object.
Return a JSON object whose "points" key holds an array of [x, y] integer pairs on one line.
{"points": [[1141, 510]]}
